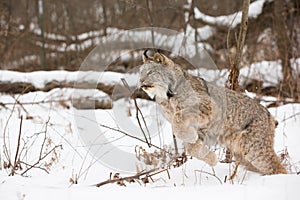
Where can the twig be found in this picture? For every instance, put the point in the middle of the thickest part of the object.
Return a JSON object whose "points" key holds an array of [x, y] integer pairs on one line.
{"points": [[244, 176], [134, 137], [211, 174], [128, 178], [138, 111], [228, 37], [234, 171], [45, 137], [32, 166], [39, 160], [18, 148], [120, 131], [151, 22], [41, 157], [148, 174], [175, 144], [292, 116], [84, 171], [242, 33], [6, 151], [235, 71], [160, 171]]}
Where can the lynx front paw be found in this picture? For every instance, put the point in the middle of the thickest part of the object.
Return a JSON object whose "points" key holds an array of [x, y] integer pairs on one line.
{"points": [[211, 159], [188, 135], [201, 152]]}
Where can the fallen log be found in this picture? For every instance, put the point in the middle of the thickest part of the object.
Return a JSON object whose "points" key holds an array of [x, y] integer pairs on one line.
{"points": [[78, 102]]}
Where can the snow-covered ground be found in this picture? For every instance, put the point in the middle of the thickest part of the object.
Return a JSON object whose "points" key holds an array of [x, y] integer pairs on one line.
{"points": [[64, 152], [49, 121]]}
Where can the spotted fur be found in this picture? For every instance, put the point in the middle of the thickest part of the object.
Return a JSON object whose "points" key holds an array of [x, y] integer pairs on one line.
{"points": [[203, 115]]}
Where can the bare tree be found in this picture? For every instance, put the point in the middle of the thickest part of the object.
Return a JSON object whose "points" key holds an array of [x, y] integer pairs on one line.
{"points": [[284, 47], [233, 82]]}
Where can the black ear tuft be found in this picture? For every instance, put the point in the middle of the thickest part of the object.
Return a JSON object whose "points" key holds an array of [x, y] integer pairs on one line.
{"points": [[170, 93], [145, 57], [145, 53]]}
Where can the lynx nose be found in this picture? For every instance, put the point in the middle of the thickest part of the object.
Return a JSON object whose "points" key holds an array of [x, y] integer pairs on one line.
{"points": [[140, 84], [144, 85]]}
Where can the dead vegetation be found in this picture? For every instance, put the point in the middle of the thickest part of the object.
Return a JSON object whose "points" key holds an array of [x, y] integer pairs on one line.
{"points": [[17, 162], [159, 161]]}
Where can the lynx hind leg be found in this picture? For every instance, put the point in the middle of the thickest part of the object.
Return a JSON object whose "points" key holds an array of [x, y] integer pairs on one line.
{"points": [[256, 151], [245, 163], [201, 152], [266, 163]]}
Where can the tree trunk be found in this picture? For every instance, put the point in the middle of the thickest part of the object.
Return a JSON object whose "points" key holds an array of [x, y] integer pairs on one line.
{"points": [[233, 79], [284, 47]]}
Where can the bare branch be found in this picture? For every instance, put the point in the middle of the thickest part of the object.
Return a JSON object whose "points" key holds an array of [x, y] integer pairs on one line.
{"points": [[151, 22], [39, 160], [228, 37], [232, 81], [139, 112], [44, 140], [5, 145], [175, 144], [138, 176], [292, 116], [211, 174], [18, 148], [234, 171], [134, 137], [242, 33], [33, 166]]}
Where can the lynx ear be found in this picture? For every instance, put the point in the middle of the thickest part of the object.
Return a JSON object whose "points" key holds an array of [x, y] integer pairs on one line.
{"points": [[161, 58], [145, 57]]}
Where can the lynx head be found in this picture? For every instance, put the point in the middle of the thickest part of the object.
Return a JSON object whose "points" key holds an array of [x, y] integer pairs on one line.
{"points": [[158, 75]]}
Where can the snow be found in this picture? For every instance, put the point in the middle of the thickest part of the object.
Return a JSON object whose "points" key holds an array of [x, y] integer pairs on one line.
{"points": [[170, 40], [164, 38], [270, 72], [255, 9], [205, 32], [69, 128], [40, 78], [280, 188], [21, 27]]}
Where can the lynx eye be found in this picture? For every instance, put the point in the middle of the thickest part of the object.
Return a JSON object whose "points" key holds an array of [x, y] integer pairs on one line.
{"points": [[147, 86], [148, 73]]}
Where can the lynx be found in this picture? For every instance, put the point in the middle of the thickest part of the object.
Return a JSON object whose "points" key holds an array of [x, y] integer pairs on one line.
{"points": [[203, 115]]}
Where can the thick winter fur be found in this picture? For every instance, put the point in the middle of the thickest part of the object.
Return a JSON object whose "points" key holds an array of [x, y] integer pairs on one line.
{"points": [[202, 115]]}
